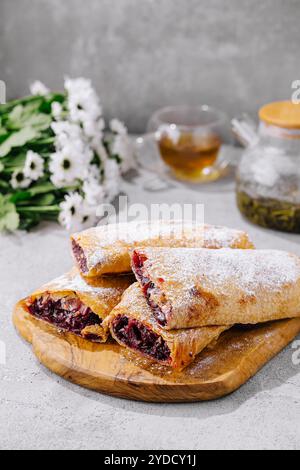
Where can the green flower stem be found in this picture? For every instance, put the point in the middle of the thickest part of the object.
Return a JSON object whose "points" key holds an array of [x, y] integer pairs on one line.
{"points": [[39, 210], [50, 217], [39, 142]]}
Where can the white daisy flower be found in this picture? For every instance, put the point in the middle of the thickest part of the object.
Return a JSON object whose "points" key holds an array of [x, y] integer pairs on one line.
{"points": [[82, 97], [89, 217], [19, 181], [70, 139], [56, 110], [57, 182], [91, 128], [85, 110], [112, 179], [118, 127], [66, 131], [39, 89], [71, 210], [34, 166], [76, 113], [94, 192], [76, 85], [75, 213], [64, 168], [94, 173], [123, 148]]}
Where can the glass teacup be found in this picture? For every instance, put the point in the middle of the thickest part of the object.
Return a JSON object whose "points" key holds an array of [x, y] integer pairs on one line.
{"points": [[189, 140]]}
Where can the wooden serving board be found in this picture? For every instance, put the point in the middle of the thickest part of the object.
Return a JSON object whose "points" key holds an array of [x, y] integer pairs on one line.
{"points": [[109, 369]]}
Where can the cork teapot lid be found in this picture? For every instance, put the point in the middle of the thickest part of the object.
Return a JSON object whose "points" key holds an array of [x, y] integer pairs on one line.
{"points": [[285, 114]]}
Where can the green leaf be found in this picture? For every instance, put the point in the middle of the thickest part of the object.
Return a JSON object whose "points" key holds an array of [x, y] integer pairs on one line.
{"points": [[33, 193], [44, 200], [38, 121], [9, 218], [3, 136], [28, 116], [13, 163], [18, 139], [4, 185], [47, 103], [41, 188], [14, 160], [10, 222], [8, 107], [15, 115], [20, 196]]}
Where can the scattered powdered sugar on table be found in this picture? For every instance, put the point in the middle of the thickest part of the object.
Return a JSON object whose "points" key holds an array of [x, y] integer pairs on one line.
{"points": [[248, 269]]}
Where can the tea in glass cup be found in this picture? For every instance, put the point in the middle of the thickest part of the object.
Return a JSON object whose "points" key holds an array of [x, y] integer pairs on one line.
{"points": [[189, 141]]}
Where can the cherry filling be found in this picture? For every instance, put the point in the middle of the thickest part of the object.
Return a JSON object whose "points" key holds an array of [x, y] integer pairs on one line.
{"points": [[68, 313], [80, 256], [148, 287], [138, 263], [139, 337]]}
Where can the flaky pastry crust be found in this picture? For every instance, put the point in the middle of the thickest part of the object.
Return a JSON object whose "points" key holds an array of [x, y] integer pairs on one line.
{"points": [[106, 249], [189, 288], [176, 349], [71, 296]]}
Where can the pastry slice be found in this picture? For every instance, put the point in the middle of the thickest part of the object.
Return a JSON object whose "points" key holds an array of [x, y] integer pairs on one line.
{"points": [[188, 288], [106, 249], [132, 325], [71, 304]]}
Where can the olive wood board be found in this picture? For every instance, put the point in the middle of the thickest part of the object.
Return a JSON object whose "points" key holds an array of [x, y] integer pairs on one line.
{"points": [[109, 369]]}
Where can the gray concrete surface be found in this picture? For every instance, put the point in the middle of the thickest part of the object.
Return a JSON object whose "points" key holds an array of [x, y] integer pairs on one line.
{"points": [[39, 410], [143, 54]]}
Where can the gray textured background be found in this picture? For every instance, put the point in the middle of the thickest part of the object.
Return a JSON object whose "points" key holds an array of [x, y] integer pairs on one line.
{"points": [[142, 54]]}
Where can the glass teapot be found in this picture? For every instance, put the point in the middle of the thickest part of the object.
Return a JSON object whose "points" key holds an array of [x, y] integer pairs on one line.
{"points": [[268, 176]]}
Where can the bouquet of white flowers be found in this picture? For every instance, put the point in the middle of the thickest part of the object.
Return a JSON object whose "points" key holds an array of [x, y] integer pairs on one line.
{"points": [[58, 161]]}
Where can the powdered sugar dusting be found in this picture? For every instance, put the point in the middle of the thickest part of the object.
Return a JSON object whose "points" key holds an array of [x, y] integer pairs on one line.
{"points": [[74, 282], [164, 233], [221, 237], [250, 270], [135, 232]]}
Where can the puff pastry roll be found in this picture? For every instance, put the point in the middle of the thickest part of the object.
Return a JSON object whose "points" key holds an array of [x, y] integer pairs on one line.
{"points": [[71, 304], [132, 325], [196, 287], [106, 249]]}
